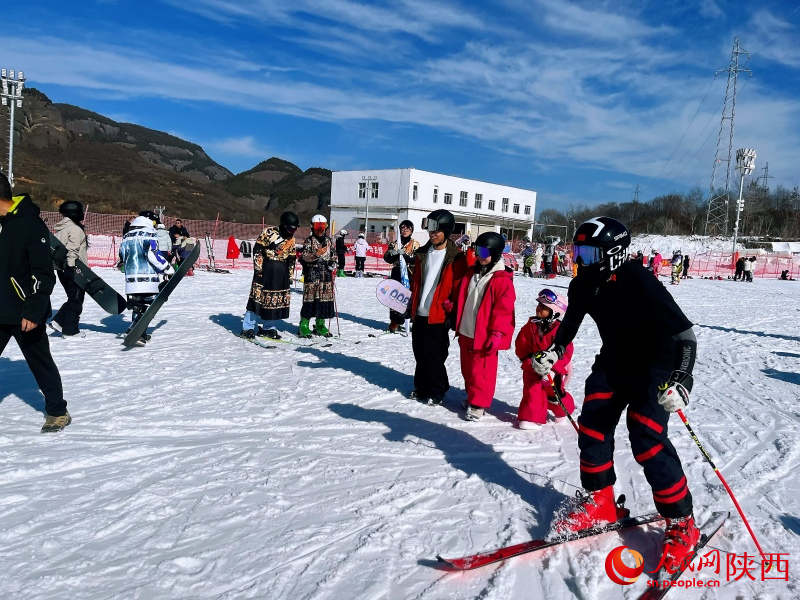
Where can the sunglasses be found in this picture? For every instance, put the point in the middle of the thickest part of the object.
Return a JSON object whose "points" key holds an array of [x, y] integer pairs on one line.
{"points": [[482, 252], [589, 255]]}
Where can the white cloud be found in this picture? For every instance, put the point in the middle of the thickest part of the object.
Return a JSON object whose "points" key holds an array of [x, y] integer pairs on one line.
{"points": [[245, 146], [710, 9]]}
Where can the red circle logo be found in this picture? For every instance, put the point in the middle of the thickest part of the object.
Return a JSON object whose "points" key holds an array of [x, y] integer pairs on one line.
{"points": [[618, 571]]}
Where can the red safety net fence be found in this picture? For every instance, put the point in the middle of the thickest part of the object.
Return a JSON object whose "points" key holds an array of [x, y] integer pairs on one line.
{"points": [[105, 235]]}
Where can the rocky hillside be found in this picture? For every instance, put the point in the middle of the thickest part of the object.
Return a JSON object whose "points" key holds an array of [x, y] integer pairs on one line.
{"points": [[63, 151]]}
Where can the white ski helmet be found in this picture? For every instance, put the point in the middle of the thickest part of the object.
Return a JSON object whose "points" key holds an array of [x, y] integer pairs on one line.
{"points": [[343, 232], [319, 219], [142, 223], [362, 236]]}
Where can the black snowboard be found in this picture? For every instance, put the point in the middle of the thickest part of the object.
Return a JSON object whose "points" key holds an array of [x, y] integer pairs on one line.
{"points": [[86, 279], [141, 325]]}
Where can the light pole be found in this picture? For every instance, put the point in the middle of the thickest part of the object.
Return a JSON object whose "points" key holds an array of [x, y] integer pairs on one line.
{"points": [[745, 163], [11, 91], [368, 179]]}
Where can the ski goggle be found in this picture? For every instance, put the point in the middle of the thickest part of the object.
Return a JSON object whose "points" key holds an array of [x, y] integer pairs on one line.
{"points": [[586, 255], [320, 226], [291, 228], [482, 252], [549, 298], [431, 225]]}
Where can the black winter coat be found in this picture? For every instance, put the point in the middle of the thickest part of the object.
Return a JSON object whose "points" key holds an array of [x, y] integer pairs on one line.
{"points": [[26, 265]]}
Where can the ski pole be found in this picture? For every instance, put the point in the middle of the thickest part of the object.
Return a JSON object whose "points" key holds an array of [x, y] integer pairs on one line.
{"points": [[335, 309], [724, 483], [557, 392]]}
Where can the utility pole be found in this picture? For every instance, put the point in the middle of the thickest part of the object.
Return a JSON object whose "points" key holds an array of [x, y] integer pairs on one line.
{"points": [[12, 84], [745, 163], [765, 178], [717, 216], [636, 193], [368, 179]]}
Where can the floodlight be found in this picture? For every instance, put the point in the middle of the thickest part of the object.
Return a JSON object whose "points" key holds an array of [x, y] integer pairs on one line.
{"points": [[19, 103], [5, 87], [11, 74], [3, 72], [5, 101], [21, 76]]}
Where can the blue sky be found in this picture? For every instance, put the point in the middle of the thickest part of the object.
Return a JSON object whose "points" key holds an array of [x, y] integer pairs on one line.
{"points": [[579, 101]]}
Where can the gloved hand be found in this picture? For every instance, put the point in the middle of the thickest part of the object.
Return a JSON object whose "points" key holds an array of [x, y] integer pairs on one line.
{"points": [[69, 272], [493, 342], [543, 362], [447, 305], [673, 395]]}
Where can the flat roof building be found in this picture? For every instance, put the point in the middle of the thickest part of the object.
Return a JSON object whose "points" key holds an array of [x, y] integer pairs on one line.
{"points": [[377, 200]]}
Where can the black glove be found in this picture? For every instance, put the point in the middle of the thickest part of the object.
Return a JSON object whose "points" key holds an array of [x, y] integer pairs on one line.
{"points": [[69, 272]]}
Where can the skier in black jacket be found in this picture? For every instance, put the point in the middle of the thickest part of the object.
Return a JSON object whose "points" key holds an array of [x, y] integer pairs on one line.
{"points": [[645, 365], [26, 282]]}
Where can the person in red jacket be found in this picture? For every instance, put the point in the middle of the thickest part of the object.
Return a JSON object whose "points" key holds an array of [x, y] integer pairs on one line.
{"points": [[438, 269], [537, 335], [484, 322]]}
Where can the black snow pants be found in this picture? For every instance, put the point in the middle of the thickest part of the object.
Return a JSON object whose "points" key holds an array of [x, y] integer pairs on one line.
{"points": [[431, 343], [36, 351], [606, 396], [69, 315]]}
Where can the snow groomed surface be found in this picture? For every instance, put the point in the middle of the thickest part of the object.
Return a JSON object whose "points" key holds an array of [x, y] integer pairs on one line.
{"points": [[203, 466]]}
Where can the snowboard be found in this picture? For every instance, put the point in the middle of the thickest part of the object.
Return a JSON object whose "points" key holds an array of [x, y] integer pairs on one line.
{"points": [[393, 294], [141, 325], [86, 279]]}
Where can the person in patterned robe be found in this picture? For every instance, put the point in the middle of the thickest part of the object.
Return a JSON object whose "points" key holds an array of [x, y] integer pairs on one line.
{"points": [[270, 293], [319, 263]]}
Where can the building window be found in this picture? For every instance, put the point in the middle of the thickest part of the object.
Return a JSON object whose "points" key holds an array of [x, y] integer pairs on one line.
{"points": [[374, 191], [448, 198], [463, 200], [491, 204], [362, 190], [516, 209], [527, 209], [435, 194], [414, 193], [478, 200], [505, 205]]}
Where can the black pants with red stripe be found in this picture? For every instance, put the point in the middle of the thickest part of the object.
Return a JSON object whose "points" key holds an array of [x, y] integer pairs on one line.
{"points": [[607, 395]]}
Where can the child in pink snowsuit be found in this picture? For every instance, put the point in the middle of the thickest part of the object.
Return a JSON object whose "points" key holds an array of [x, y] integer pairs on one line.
{"points": [[535, 336], [657, 259], [484, 321]]}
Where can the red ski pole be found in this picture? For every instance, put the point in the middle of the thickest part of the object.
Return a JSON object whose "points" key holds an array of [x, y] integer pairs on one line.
{"points": [[557, 392], [724, 483]]}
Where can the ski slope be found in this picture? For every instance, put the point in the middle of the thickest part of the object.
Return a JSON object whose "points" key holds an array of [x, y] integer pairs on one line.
{"points": [[203, 466]]}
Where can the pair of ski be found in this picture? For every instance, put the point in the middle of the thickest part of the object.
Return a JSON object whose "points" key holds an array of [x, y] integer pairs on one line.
{"points": [[474, 561]]}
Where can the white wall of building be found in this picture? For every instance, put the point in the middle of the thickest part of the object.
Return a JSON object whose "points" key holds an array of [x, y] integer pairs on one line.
{"points": [[412, 194]]}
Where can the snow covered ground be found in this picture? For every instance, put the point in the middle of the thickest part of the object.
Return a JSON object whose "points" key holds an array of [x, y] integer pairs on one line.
{"points": [[203, 466]]}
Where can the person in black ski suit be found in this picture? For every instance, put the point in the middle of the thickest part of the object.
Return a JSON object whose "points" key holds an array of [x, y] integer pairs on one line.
{"points": [[26, 282], [70, 232], [644, 365], [406, 248], [341, 252]]}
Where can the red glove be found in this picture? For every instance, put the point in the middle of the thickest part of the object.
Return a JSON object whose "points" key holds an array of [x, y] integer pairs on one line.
{"points": [[494, 342], [447, 305]]}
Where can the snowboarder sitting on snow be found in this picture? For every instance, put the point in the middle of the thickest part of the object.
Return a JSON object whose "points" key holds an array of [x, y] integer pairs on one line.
{"points": [[645, 365], [484, 322], [270, 292], [318, 267], [534, 337], [145, 268]]}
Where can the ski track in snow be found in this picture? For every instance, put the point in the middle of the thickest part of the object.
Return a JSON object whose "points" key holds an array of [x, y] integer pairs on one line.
{"points": [[203, 466]]}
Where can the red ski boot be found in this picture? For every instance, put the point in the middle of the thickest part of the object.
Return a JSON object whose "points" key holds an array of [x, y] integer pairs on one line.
{"points": [[589, 509], [680, 541]]}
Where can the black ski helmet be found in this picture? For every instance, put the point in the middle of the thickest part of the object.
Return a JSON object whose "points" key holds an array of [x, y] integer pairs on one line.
{"points": [[494, 242], [150, 215], [289, 220], [72, 209], [601, 243], [441, 220], [406, 223]]}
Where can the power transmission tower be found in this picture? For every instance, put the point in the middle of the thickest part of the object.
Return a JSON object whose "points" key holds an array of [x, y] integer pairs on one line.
{"points": [[765, 177], [636, 194], [717, 217]]}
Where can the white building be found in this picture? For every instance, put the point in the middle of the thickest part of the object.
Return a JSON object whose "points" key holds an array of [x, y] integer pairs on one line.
{"points": [[380, 199]]}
